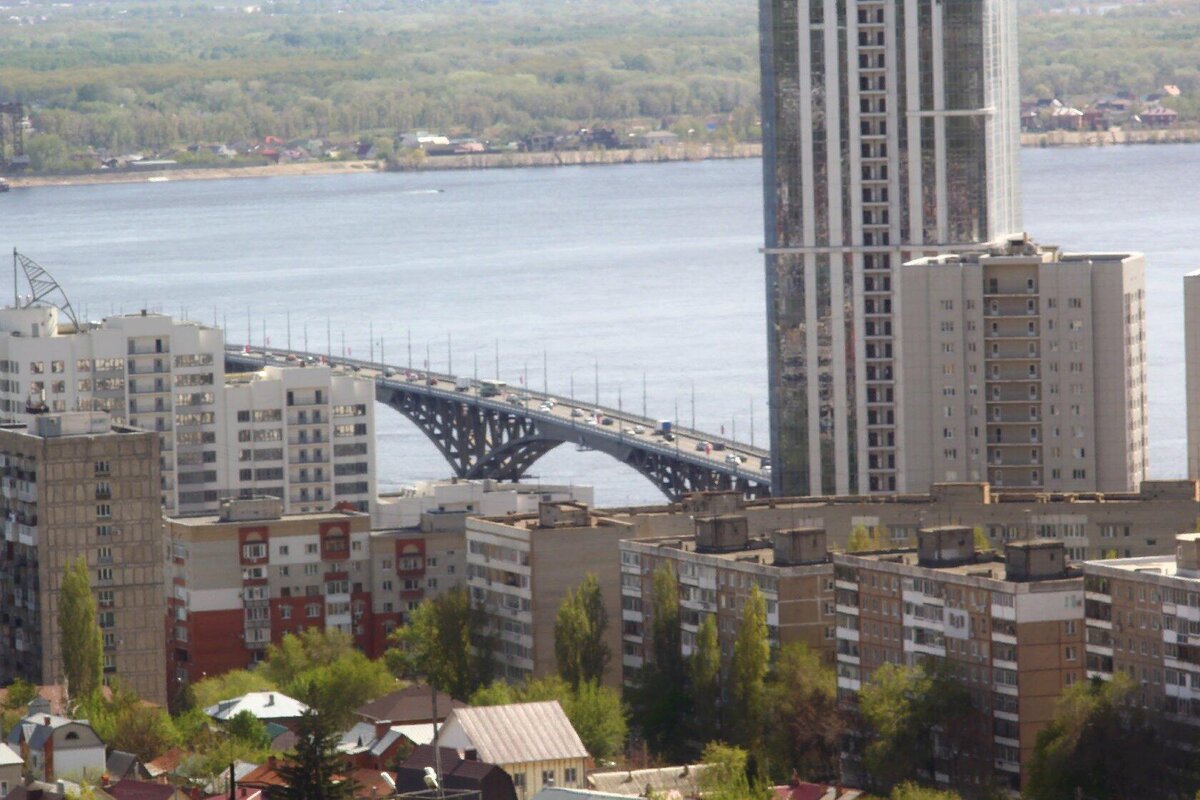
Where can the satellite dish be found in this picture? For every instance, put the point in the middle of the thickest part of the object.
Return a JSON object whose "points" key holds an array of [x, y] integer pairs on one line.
{"points": [[389, 780]]}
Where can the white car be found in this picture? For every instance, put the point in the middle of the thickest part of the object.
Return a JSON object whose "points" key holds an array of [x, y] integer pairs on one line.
{"points": [[576, 412], [733, 458], [639, 430]]}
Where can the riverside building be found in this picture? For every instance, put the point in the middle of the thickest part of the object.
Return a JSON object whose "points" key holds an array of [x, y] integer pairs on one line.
{"points": [[304, 434], [890, 132], [1022, 366], [1008, 628], [71, 485]]}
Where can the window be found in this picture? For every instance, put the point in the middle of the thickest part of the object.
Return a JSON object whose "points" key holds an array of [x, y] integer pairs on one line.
{"points": [[570, 775], [311, 569], [310, 549], [254, 550], [285, 612], [312, 610], [1070, 654], [103, 510], [547, 776]]}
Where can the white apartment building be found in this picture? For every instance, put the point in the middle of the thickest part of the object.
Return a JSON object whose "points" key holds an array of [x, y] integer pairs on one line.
{"points": [[303, 434], [1021, 366], [152, 372]]}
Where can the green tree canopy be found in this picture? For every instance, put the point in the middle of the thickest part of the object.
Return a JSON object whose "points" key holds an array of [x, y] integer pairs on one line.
{"points": [[1103, 744], [902, 706], [660, 699], [748, 675], [804, 724], [79, 631], [704, 683], [579, 646], [445, 644]]}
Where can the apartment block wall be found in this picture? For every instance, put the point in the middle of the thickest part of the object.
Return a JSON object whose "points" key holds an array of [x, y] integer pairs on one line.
{"points": [[1191, 339], [159, 374], [799, 598], [1024, 367], [94, 495], [520, 570], [305, 435], [241, 584], [1091, 525], [1014, 646]]}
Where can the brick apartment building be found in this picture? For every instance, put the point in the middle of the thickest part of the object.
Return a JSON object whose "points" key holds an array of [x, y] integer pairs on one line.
{"points": [[1010, 628], [71, 485], [717, 569], [1143, 619]]}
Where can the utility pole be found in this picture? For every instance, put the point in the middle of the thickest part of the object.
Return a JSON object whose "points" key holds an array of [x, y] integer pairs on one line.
{"points": [[306, 336], [410, 349], [371, 348], [596, 361], [289, 329], [545, 374], [249, 328], [449, 355], [328, 340], [428, 363], [752, 422], [343, 342], [644, 414], [693, 405], [497, 359]]}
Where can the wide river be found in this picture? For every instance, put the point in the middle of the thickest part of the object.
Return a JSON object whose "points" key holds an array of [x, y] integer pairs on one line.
{"points": [[642, 272]]}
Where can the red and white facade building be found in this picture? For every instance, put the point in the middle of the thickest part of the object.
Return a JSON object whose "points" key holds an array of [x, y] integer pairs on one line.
{"points": [[242, 579]]}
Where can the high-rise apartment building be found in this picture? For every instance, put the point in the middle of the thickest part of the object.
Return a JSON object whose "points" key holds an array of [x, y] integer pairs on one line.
{"points": [[75, 485], [305, 434], [1191, 325], [1008, 628], [241, 579], [1142, 615], [1021, 366], [717, 570], [519, 569], [890, 132]]}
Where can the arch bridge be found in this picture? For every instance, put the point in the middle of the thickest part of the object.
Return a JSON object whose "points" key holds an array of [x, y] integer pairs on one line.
{"points": [[488, 431]]}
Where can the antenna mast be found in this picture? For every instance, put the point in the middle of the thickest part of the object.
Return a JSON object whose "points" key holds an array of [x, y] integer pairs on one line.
{"points": [[41, 286]]}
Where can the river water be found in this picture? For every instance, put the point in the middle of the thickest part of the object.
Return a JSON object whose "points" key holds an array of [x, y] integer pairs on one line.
{"points": [[647, 274]]}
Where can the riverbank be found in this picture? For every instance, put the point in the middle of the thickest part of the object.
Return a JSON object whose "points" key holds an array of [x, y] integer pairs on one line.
{"points": [[679, 152], [682, 152], [1105, 138]]}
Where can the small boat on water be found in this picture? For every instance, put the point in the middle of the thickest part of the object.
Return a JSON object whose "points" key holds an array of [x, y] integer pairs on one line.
{"points": [[158, 179], [4, 185]]}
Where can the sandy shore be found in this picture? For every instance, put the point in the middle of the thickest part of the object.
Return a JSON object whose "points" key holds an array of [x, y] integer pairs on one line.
{"points": [[680, 152], [197, 173]]}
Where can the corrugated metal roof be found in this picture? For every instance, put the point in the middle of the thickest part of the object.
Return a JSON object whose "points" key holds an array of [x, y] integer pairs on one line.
{"points": [[520, 733]]}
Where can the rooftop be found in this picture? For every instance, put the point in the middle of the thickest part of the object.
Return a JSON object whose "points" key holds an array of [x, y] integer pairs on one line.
{"points": [[520, 733], [263, 705]]}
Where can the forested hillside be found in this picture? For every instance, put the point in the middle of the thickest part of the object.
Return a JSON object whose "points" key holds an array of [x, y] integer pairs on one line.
{"points": [[148, 74]]}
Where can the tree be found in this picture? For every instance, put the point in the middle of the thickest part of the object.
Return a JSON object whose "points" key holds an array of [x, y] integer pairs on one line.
{"points": [[981, 539], [704, 682], [314, 771], [913, 791], [748, 675], [579, 646], [1102, 744], [901, 707], [79, 631], [860, 539], [804, 723], [598, 716], [443, 642], [248, 728], [727, 775], [659, 698]]}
